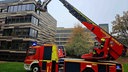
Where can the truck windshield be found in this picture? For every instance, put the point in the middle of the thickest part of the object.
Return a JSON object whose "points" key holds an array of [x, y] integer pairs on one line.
{"points": [[31, 51]]}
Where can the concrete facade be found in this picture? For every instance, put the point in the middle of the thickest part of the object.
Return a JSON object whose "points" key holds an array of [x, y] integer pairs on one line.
{"points": [[62, 35], [21, 25]]}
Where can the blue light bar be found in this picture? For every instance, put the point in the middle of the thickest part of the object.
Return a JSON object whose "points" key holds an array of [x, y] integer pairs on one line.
{"points": [[34, 43], [118, 67]]}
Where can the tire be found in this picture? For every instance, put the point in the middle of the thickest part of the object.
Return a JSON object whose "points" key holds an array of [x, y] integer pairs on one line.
{"points": [[35, 68], [88, 70]]}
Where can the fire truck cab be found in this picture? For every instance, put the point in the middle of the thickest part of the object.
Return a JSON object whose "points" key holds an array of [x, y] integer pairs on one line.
{"points": [[42, 58]]}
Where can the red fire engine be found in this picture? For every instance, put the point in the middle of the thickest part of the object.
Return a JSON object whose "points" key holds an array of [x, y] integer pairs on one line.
{"points": [[42, 58], [45, 58]]}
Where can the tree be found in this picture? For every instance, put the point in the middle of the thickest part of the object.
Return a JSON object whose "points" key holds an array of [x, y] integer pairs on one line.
{"points": [[120, 28], [79, 42]]}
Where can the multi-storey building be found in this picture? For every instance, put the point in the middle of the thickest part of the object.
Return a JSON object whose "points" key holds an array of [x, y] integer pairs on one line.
{"points": [[21, 25], [105, 27], [63, 34]]}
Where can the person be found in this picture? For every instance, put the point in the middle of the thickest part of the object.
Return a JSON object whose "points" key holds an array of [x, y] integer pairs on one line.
{"points": [[44, 5], [102, 43], [99, 52], [38, 5]]}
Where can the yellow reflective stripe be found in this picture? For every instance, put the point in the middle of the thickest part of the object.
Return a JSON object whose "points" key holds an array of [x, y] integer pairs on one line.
{"points": [[54, 53]]}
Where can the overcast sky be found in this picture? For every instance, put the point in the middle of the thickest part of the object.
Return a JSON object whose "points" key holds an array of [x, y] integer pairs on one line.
{"points": [[100, 11]]}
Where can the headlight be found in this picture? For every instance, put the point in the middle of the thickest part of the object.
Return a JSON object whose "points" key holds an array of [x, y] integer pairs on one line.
{"points": [[26, 66]]}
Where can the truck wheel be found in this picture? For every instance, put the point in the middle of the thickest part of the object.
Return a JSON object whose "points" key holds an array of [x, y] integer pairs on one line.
{"points": [[88, 70], [35, 68]]}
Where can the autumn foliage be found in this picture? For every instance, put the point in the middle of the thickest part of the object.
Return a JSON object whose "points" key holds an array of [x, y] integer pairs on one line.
{"points": [[79, 42]]}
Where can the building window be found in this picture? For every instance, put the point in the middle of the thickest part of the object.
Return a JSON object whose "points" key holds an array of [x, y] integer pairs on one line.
{"points": [[15, 9], [24, 45], [3, 45], [7, 32], [25, 7], [32, 7], [11, 9], [35, 21], [22, 19], [38, 12], [33, 33], [19, 8], [15, 45], [18, 19], [4, 10], [21, 32]]}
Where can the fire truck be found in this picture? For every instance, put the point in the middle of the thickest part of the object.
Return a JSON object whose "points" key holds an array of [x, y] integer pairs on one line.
{"points": [[42, 58], [45, 58]]}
